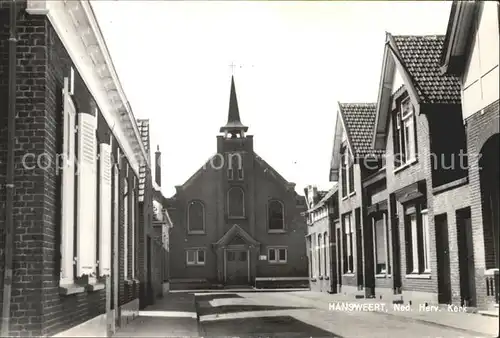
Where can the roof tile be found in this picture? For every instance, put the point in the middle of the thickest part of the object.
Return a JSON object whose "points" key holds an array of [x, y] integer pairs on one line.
{"points": [[421, 57], [359, 119]]}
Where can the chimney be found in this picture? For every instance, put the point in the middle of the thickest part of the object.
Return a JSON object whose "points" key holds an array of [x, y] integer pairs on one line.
{"points": [[158, 166]]}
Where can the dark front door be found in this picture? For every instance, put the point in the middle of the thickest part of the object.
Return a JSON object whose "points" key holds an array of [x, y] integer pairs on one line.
{"points": [[339, 260], [465, 257], [443, 259], [237, 267]]}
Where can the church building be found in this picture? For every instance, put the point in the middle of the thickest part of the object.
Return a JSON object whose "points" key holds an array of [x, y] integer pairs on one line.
{"points": [[237, 220]]}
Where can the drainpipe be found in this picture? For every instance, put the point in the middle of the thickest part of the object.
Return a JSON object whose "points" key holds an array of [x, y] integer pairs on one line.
{"points": [[9, 217]]}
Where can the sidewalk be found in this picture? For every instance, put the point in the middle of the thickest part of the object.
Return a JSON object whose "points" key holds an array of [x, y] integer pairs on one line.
{"points": [[174, 315], [473, 323]]}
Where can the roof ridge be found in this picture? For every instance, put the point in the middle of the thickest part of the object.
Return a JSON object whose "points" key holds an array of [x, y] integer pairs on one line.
{"points": [[419, 36]]}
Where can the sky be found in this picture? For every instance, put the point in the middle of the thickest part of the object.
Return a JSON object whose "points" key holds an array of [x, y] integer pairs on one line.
{"points": [[295, 62]]}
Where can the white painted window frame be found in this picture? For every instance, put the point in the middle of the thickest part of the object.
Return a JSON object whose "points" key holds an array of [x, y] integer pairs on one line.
{"points": [[349, 239], [426, 237], [196, 261], [414, 241], [86, 261], [68, 189], [132, 232], [277, 259], [125, 228], [105, 209], [408, 138]]}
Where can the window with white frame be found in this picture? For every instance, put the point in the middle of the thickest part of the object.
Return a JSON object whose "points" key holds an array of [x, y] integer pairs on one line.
{"points": [[405, 144], [381, 245], [348, 244], [347, 168], [417, 240], [125, 227], [132, 228], [105, 209], [86, 206], [318, 252], [277, 255], [68, 189], [325, 253], [195, 257]]}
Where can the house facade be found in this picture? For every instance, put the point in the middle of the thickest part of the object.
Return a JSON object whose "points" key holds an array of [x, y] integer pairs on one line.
{"points": [[427, 222], [78, 159], [237, 221], [321, 218], [471, 52], [425, 180], [352, 159]]}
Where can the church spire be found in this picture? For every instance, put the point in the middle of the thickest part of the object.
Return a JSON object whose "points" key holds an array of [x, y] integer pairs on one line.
{"points": [[233, 125]]}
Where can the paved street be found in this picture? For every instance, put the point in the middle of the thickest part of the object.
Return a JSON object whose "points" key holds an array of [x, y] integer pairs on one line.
{"points": [[289, 314], [280, 314]]}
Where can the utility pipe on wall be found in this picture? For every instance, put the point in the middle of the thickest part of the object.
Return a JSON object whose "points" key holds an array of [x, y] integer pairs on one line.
{"points": [[9, 217]]}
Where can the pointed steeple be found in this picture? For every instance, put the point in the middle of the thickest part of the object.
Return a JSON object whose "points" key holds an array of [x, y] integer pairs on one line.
{"points": [[233, 124]]}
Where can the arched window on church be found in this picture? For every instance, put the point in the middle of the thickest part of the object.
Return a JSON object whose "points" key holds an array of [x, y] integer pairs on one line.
{"points": [[196, 217], [236, 202], [276, 215]]}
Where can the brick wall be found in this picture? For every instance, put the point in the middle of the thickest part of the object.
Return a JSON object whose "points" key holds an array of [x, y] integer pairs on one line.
{"points": [[480, 127], [37, 306]]}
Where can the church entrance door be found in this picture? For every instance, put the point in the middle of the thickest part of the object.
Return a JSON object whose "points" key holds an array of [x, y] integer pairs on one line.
{"points": [[237, 266]]}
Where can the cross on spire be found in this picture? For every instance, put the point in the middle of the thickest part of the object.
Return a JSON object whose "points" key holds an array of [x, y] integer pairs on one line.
{"points": [[232, 65]]}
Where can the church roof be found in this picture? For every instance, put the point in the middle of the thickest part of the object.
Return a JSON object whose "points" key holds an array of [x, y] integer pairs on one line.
{"points": [[233, 118]]}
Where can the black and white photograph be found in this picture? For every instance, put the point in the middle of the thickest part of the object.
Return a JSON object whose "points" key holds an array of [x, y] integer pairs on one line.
{"points": [[253, 169]]}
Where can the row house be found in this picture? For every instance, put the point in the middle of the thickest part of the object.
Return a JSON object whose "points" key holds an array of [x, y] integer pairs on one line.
{"points": [[471, 52], [417, 221], [320, 217], [154, 227], [76, 214], [353, 159], [162, 225]]}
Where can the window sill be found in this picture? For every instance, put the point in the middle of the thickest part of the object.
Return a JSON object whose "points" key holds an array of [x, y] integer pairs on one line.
{"points": [[197, 233], [418, 276], [71, 289], [129, 281], [195, 265], [236, 217], [351, 194], [404, 166], [276, 231], [95, 287], [349, 274], [345, 197], [382, 276], [277, 263]]}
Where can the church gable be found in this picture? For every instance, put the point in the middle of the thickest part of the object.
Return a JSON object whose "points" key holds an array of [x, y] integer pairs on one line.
{"points": [[213, 163], [236, 236], [237, 240]]}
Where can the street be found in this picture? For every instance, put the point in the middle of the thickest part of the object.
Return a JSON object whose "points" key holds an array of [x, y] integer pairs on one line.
{"points": [[281, 314]]}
